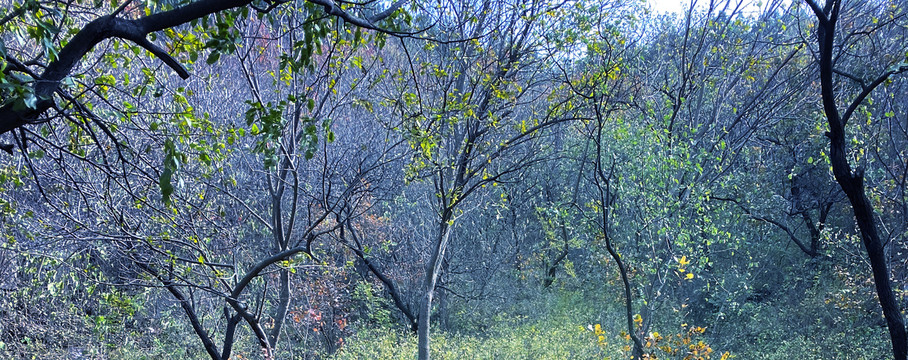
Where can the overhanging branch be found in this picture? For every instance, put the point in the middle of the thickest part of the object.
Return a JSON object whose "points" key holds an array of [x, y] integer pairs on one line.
{"points": [[137, 30]]}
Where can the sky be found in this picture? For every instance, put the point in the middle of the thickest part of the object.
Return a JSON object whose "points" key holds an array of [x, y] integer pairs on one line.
{"points": [[674, 6], [677, 6]]}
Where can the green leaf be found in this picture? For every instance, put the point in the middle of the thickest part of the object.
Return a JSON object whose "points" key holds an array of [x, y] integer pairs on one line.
{"points": [[164, 182], [213, 57]]}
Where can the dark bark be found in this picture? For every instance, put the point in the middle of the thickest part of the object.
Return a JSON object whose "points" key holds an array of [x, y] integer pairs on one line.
{"points": [[852, 181], [229, 333], [816, 230], [550, 277]]}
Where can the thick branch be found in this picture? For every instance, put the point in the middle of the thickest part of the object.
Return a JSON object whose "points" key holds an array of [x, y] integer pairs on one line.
{"points": [[869, 88], [98, 30], [107, 27], [390, 10], [187, 308], [389, 285], [331, 8]]}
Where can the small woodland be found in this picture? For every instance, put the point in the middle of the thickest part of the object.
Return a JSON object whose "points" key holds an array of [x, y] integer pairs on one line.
{"points": [[453, 179]]}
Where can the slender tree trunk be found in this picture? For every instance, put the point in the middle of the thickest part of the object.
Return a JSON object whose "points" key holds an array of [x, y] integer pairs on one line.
{"points": [[188, 309], [628, 302], [280, 314], [607, 198], [441, 311], [622, 270], [433, 268], [553, 268], [852, 184], [230, 332], [425, 309]]}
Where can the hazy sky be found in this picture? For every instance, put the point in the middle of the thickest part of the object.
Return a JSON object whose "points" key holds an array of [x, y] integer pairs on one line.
{"points": [[674, 6], [677, 6]]}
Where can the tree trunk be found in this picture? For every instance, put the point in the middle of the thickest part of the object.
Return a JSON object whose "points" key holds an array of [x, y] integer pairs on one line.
{"points": [[603, 183], [433, 268], [852, 182], [280, 314]]}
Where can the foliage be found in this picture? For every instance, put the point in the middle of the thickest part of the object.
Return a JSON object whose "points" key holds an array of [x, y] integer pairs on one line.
{"points": [[499, 179], [512, 338]]}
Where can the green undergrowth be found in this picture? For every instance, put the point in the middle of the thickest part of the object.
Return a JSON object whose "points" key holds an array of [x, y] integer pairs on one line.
{"points": [[554, 325], [529, 340]]}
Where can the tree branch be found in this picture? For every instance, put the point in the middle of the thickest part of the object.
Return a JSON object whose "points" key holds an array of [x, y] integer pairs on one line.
{"points": [[187, 308], [791, 235], [902, 67]]}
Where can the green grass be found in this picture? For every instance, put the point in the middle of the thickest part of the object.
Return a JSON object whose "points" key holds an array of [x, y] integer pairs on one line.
{"points": [[532, 340]]}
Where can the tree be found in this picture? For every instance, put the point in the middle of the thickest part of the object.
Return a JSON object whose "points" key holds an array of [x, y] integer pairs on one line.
{"points": [[852, 180], [181, 243], [472, 113]]}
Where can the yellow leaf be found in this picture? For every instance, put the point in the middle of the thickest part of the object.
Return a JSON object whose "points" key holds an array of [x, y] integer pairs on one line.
{"points": [[689, 276], [683, 261]]}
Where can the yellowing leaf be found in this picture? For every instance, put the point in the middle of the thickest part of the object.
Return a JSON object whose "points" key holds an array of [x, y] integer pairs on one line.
{"points": [[689, 276]]}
